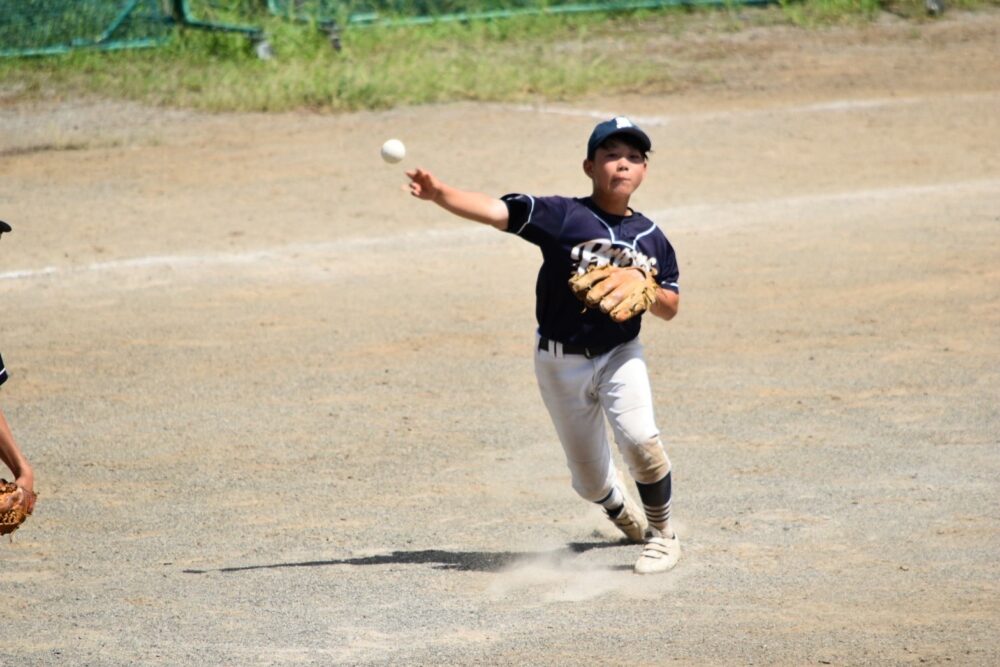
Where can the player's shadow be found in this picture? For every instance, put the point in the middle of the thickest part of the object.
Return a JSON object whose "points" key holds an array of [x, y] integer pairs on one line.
{"points": [[467, 561]]}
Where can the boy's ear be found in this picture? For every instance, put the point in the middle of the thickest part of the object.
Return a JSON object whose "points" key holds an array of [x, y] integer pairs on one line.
{"points": [[588, 168]]}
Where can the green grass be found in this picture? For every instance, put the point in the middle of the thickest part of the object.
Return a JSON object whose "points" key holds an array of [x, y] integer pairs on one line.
{"points": [[515, 59]]}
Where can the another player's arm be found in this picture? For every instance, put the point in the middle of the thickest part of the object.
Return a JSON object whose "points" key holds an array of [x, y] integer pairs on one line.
{"points": [[10, 453], [470, 205]]}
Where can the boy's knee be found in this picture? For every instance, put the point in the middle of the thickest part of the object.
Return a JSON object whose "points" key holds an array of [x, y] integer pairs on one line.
{"points": [[647, 461]]}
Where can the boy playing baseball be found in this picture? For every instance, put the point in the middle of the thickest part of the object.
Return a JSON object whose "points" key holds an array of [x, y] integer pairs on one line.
{"points": [[588, 361], [10, 453]]}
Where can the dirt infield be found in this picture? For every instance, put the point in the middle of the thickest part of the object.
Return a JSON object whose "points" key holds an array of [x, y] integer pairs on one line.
{"points": [[281, 413]]}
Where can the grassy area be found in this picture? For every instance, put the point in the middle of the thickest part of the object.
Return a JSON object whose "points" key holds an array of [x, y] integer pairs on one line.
{"points": [[519, 58]]}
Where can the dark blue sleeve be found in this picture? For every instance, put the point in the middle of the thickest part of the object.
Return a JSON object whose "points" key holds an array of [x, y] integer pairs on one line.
{"points": [[535, 219], [667, 274], [3, 372]]}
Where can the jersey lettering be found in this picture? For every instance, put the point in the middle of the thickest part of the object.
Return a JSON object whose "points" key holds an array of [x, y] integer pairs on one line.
{"points": [[601, 252], [574, 235]]}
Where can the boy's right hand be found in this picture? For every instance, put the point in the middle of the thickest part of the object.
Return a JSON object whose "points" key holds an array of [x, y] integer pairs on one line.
{"points": [[423, 184]]}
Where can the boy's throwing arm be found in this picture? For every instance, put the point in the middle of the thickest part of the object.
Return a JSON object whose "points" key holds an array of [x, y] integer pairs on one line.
{"points": [[470, 205]]}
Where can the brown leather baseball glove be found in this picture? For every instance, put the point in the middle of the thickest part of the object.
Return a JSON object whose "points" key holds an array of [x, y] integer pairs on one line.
{"points": [[13, 506], [619, 292]]}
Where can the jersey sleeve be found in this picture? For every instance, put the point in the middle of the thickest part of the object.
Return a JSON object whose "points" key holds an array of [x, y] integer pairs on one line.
{"points": [[3, 372], [668, 275], [535, 219]]}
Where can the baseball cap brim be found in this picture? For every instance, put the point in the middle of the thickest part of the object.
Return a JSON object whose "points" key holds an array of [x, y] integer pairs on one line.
{"points": [[4, 227]]}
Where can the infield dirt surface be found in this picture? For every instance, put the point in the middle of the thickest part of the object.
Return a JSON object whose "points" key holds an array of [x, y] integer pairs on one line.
{"points": [[283, 413]]}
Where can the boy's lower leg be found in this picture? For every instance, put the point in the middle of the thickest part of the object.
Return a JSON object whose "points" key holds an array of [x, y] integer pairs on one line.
{"points": [[656, 503], [663, 549], [650, 467], [652, 471], [625, 514]]}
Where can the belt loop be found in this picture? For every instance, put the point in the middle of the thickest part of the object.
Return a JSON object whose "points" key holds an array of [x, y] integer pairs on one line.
{"points": [[550, 346]]}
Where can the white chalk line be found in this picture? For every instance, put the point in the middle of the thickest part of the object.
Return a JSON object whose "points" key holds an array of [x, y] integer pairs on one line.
{"points": [[830, 106], [713, 215], [291, 254], [727, 214]]}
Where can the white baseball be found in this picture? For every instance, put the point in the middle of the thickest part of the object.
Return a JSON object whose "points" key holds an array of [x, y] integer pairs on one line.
{"points": [[393, 151]]}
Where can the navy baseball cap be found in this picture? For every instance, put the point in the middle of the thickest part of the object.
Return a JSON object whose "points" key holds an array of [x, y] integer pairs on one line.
{"points": [[4, 227], [617, 125]]}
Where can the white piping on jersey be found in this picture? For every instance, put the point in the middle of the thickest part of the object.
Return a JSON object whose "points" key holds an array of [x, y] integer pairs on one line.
{"points": [[611, 233], [615, 241], [531, 211]]}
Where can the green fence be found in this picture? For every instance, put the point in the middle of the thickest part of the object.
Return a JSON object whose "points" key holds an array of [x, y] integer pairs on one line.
{"points": [[415, 12], [39, 27], [43, 27], [223, 15]]}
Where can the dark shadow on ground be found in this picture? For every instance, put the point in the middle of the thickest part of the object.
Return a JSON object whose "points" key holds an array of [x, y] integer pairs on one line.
{"points": [[467, 561]]}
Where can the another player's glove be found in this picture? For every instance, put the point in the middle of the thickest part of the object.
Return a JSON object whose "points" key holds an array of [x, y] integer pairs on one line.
{"points": [[13, 506], [619, 292]]}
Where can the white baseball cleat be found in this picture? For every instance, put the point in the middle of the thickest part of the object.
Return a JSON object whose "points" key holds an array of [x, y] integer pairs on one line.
{"points": [[659, 555], [631, 521]]}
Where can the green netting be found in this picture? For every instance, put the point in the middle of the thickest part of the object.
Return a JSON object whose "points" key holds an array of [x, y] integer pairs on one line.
{"points": [[225, 15], [363, 12], [35, 27], [39, 27]]}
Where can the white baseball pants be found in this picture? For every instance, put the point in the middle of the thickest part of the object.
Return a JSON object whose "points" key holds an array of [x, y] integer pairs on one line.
{"points": [[580, 393]]}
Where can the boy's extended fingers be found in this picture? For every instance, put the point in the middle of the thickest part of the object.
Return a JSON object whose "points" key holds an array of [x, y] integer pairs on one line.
{"points": [[417, 189]]}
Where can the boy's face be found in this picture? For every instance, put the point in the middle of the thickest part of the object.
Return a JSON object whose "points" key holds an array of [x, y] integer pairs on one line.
{"points": [[617, 169]]}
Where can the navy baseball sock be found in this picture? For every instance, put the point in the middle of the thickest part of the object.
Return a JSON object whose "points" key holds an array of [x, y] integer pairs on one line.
{"points": [[614, 502], [656, 502]]}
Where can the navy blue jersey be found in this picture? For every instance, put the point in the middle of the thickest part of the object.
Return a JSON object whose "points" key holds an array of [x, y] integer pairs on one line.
{"points": [[3, 372], [574, 234]]}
